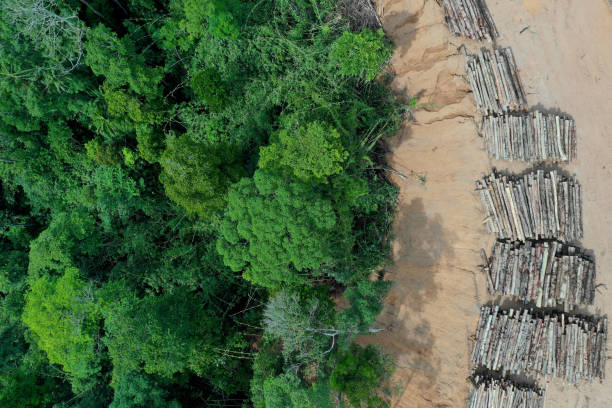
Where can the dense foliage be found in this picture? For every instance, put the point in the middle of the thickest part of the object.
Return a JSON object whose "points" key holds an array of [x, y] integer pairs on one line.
{"points": [[186, 187]]}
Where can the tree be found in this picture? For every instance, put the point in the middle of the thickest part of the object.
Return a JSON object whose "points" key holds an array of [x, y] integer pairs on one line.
{"points": [[32, 383], [197, 176], [119, 62], [366, 299], [267, 364], [221, 22], [137, 390], [312, 152], [360, 54], [55, 31], [303, 324], [359, 374], [101, 152], [286, 391], [167, 335], [117, 194], [209, 87], [278, 231], [26, 380], [66, 242], [63, 317]]}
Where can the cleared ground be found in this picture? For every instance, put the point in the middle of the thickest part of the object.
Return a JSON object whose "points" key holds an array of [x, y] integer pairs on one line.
{"points": [[564, 51]]}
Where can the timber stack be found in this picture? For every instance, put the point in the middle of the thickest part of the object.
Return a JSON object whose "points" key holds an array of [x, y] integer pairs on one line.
{"points": [[487, 393], [547, 273], [469, 18], [495, 81], [534, 216], [538, 205], [553, 345], [529, 136]]}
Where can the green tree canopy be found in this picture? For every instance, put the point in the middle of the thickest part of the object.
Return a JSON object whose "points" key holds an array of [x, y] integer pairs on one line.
{"points": [[64, 244], [216, 13], [359, 373], [32, 383], [118, 60], [54, 30], [277, 231], [267, 363], [312, 152], [286, 391], [137, 390], [63, 317], [210, 88], [366, 300], [197, 176], [166, 334], [360, 54], [151, 150]]}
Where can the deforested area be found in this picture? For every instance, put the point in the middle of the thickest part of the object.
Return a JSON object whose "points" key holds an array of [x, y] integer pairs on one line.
{"points": [[546, 273], [487, 392], [554, 345], [549, 236], [188, 190], [538, 205], [529, 136]]}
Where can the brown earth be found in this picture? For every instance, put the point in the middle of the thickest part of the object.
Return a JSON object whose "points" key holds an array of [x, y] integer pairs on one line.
{"points": [[564, 51]]}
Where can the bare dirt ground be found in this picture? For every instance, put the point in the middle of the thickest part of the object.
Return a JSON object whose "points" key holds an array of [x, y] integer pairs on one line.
{"points": [[563, 49]]}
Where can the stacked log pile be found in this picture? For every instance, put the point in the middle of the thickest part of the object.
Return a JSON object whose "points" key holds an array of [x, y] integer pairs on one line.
{"points": [[469, 18], [531, 136], [495, 81], [538, 205], [547, 273], [556, 345], [487, 393], [534, 216]]}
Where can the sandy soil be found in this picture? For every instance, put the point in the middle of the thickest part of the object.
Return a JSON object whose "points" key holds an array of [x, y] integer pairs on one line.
{"points": [[564, 51]]}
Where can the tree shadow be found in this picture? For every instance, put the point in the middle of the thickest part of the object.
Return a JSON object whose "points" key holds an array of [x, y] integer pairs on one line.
{"points": [[421, 242], [401, 27], [402, 134], [423, 239]]}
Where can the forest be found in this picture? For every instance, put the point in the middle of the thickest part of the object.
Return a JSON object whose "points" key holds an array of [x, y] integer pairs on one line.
{"points": [[194, 205]]}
